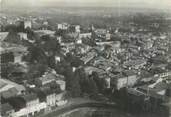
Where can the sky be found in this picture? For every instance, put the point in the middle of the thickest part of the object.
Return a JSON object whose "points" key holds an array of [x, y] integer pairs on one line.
{"points": [[96, 3]]}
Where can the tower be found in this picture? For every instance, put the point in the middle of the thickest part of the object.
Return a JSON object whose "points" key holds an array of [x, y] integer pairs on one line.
{"points": [[27, 24]]}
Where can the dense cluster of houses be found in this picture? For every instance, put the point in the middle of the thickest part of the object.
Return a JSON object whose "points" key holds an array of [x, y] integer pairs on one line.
{"points": [[132, 60]]}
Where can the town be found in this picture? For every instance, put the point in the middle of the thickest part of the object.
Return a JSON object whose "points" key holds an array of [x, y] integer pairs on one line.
{"points": [[45, 63]]}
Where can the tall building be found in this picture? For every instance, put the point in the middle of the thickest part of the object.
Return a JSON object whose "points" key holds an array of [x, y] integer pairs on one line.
{"points": [[27, 24], [77, 28]]}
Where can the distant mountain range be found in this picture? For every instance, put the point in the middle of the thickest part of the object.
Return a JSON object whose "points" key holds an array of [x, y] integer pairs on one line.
{"points": [[113, 5]]}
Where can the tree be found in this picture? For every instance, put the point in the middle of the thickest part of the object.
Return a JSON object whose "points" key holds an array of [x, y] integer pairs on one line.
{"points": [[49, 44], [72, 82], [73, 60], [89, 41], [11, 28], [92, 87], [13, 37], [60, 32], [101, 83], [35, 71], [36, 55]]}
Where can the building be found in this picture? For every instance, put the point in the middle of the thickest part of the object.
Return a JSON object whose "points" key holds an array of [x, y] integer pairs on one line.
{"points": [[51, 99], [31, 99], [47, 78], [61, 84], [7, 57], [27, 24], [51, 77], [77, 29], [63, 26], [85, 35], [124, 79], [60, 99], [46, 95], [44, 32], [27, 105], [12, 52], [88, 56], [135, 64], [108, 36], [6, 85], [23, 36]]}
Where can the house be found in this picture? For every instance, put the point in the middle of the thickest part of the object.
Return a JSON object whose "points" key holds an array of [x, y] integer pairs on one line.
{"points": [[119, 81], [135, 64], [50, 99], [47, 78], [102, 74], [23, 36], [51, 77], [61, 83], [146, 76], [46, 95], [85, 35], [17, 103], [108, 36], [103, 34], [77, 28], [44, 32], [63, 26], [30, 99], [155, 90], [14, 51], [60, 99], [7, 110], [27, 105], [124, 79], [131, 76], [89, 56], [7, 57]]}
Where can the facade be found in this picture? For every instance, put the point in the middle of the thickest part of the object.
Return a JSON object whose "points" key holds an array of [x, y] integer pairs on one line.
{"points": [[77, 28], [7, 57], [123, 80], [84, 35], [51, 99], [60, 99], [31, 100], [108, 80], [12, 52], [30, 111], [62, 84], [63, 26], [23, 36], [45, 79], [27, 24], [108, 36]]}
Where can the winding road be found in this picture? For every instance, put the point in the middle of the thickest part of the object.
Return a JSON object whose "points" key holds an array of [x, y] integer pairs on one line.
{"points": [[76, 104]]}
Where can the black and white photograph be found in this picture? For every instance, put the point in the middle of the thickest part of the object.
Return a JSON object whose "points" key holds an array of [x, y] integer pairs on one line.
{"points": [[85, 58]]}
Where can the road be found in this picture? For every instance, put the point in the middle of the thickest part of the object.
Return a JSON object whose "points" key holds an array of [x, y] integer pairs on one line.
{"points": [[78, 103]]}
